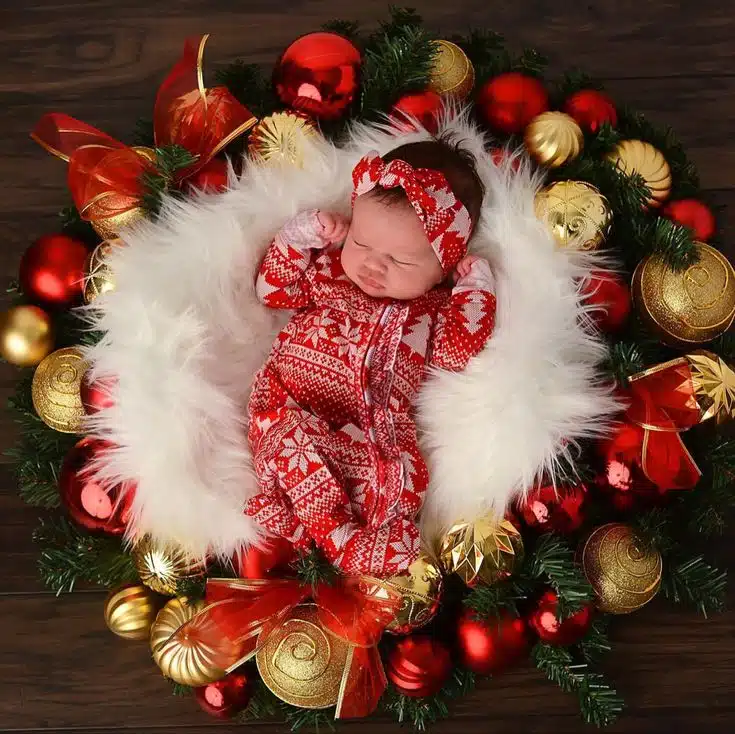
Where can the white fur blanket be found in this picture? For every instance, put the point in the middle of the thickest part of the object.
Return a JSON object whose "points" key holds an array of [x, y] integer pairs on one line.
{"points": [[184, 334]]}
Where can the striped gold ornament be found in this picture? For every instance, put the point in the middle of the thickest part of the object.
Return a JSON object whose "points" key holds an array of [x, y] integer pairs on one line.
{"points": [[130, 611], [554, 138], [637, 156]]}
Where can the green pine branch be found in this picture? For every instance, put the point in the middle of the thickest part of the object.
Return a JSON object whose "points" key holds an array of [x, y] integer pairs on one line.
{"points": [[143, 132], [158, 183], [572, 81], [262, 705], [249, 86], [313, 569], [486, 52], [596, 644], [400, 19], [309, 719], [530, 62], [179, 689], [697, 583], [490, 601], [73, 225], [347, 28]]}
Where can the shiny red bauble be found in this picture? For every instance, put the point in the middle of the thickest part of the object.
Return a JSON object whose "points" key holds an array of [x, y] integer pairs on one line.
{"points": [[226, 697], [418, 666], [260, 562], [693, 214], [554, 509], [52, 270], [96, 395], [609, 296], [87, 502], [510, 101], [211, 178], [591, 110], [423, 106], [318, 74], [544, 622], [488, 646]]}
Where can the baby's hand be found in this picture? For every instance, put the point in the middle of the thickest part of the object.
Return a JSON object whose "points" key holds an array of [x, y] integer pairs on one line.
{"points": [[464, 266], [474, 273], [334, 227]]}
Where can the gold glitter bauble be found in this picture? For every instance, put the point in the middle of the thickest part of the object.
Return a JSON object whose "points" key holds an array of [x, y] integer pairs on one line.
{"points": [[55, 390], [635, 156], [280, 137], [577, 214], [624, 573], [481, 552], [26, 336], [420, 589], [713, 381], [188, 658], [452, 74], [689, 306], [99, 277], [554, 138], [162, 567], [130, 611], [301, 662]]}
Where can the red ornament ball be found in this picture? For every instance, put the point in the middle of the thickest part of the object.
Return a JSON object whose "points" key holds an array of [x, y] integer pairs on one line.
{"points": [[510, 101], [211, 178], [258, 562], [591, 109], [52, 270], [318, 74], [226, 697], [87, 502], [554, 509], [693, 214], [609, 296], [544, 621], [418, 666], [423, 106], [490, 646], [96, 395]]}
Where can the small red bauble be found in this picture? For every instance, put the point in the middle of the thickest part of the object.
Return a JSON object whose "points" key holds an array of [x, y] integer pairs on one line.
{"points": [[96, 395], [86, 501], [423, 106], [490, 646], [554, 509], [211, 178], [418, 666], [318, 74], [693, 214], [544, 621], [226, 697], [52, 270], [609, 296], [258, 563], [591, 110], [510, 101]]}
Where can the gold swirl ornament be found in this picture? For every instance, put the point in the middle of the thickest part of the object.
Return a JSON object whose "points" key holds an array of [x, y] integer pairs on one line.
{"points": [[130, 611], [161, 567], [554, 138], [452, 73], [637, 156], [624, 573], [55, 390], [99, 276], [280, 137]]}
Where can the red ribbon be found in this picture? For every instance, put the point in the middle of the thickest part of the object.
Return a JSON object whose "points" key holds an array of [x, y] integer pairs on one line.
{"points": [[244, 612]]}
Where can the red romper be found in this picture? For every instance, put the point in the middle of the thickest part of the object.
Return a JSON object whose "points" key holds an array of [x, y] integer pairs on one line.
{"points": [[330, 417]]}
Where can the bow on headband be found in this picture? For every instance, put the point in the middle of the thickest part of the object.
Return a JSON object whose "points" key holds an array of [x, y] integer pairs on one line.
{"points": [[444, 218]]}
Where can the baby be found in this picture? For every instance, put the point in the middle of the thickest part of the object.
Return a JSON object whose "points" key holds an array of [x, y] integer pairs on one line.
{"points": [[331, 425]]}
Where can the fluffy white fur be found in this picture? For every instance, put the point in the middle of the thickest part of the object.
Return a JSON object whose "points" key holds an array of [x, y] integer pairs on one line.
{"points": [[184, 335]]}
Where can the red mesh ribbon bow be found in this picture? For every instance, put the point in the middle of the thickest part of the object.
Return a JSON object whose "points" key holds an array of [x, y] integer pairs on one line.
{"points": [[242, 613]]}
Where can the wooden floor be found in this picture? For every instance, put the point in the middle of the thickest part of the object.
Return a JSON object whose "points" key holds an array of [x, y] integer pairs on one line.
{"points": [[101, 61]]}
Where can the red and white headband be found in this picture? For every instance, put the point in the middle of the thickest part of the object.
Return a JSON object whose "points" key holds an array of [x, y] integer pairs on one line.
{"points": [[445, 219]]}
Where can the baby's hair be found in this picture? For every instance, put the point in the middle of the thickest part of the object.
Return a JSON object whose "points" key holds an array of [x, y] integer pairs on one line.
{"points": [[448, 157]]}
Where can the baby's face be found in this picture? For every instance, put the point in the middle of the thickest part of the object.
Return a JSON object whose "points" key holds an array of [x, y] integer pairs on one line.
{"points": [[386, 253]]}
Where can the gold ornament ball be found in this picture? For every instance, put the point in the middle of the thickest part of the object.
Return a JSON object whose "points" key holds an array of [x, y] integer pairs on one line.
{"points": [[26, 336], [55, 390], [301, 662], [554, 138], [624, 573], [690, 306], [280, 138], [637, 156], [130, 611], [162, 567], [481, 552], [577, 214], [452, 74], [195, 656], [420, 590], [99, 277]]}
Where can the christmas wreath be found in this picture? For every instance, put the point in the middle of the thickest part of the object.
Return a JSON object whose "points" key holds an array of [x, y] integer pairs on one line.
{"points": [[603, 515]]}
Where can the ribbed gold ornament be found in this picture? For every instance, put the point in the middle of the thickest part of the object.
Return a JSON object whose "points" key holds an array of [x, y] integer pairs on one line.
{"points": [[637, 156], [483, 551], [280, 138], [301, 662], [452, 74], [689, 306], [130, 611], [26, 335], [161, 568], [577, 214], [55, 390], [99, 277], [624, 573], [554, 138]]}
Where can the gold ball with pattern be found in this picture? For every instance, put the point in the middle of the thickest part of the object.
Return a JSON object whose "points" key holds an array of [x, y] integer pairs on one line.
{"points": [[452, 74], [553, 139], [281, 138], [130, 611], [55, 390], [99, 276], [637, 156], [161, 567]]}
